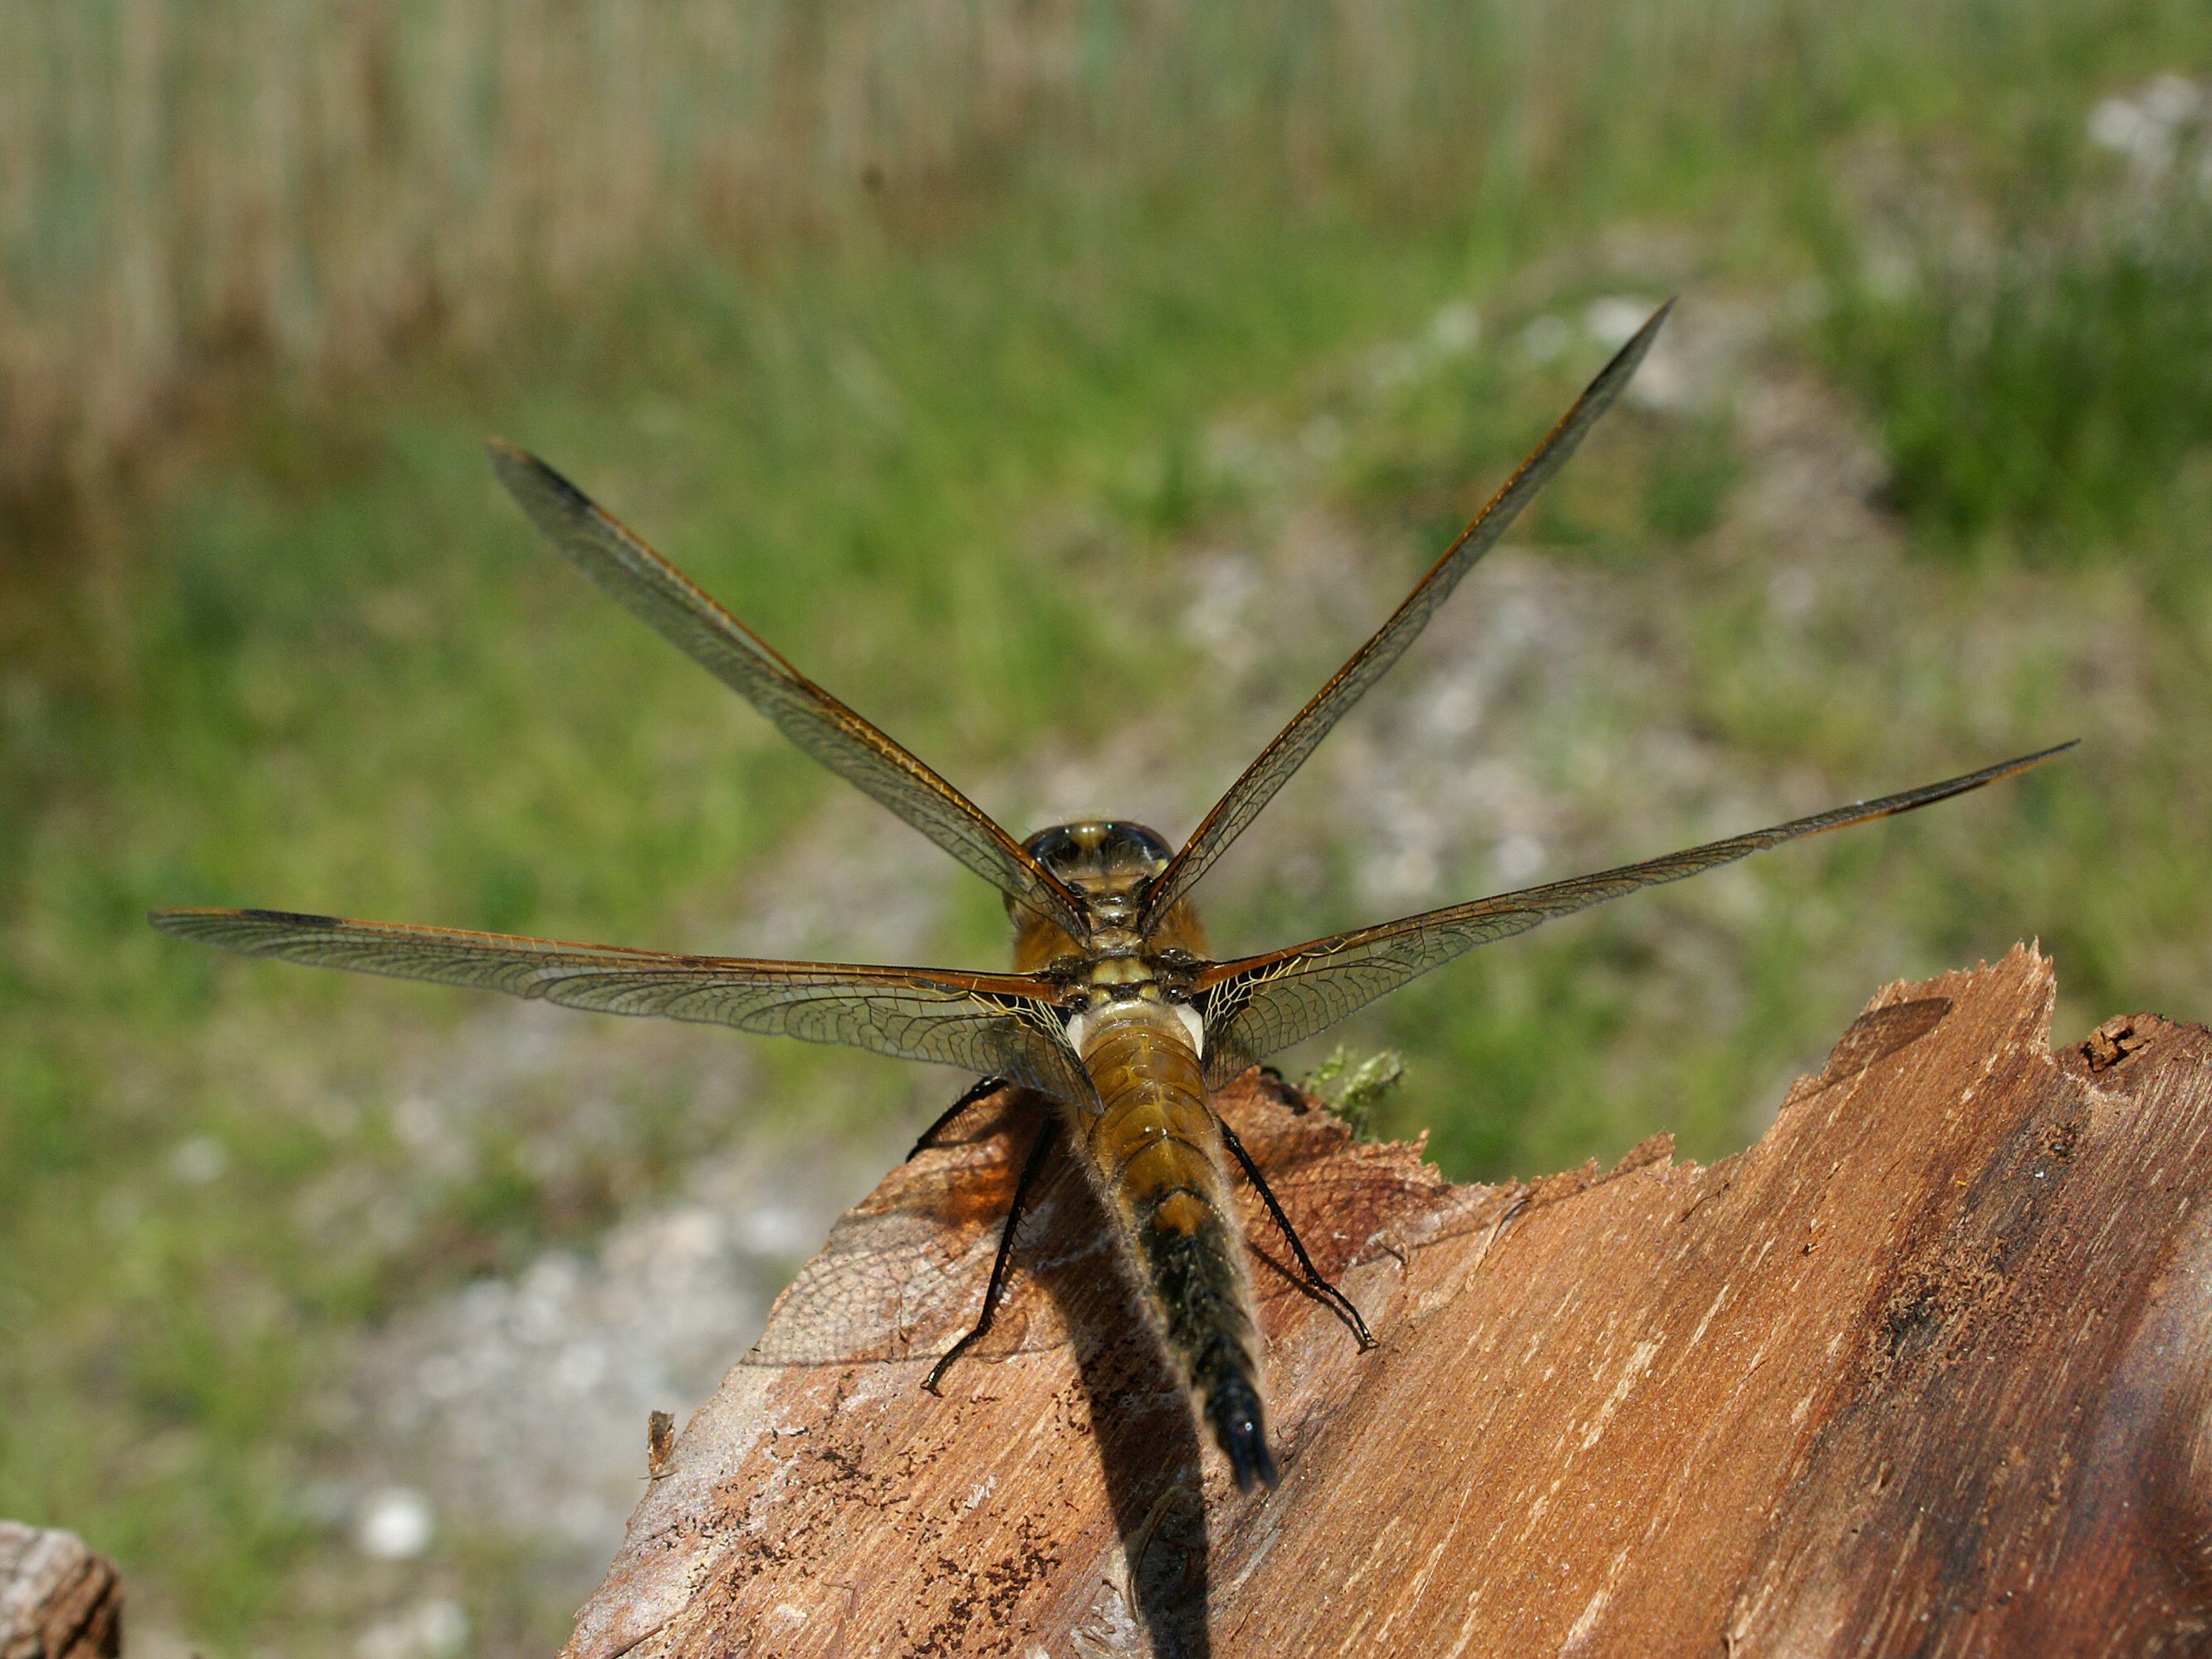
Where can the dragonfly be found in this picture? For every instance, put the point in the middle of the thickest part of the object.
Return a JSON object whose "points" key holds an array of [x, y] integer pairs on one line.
{"points": [[1116, 1013]]}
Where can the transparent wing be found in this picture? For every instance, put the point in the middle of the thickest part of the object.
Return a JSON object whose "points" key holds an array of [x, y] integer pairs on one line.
{"points": [[1283, 757], [1001, 1024], [1259, 1004], [673, 605]]}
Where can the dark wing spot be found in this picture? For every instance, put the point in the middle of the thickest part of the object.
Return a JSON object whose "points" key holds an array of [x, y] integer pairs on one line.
{"points": [[293, 918]]}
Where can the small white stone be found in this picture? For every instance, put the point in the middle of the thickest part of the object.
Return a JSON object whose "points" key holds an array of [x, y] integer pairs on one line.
{"points": [[2170, 100], [580, 1366], [1322, 439], [1612, 320], [696, 1234], [441, 1628], [435, 1629], [442, 1376], [395, 1524], [2117, 123], [198, 1161], [1793, 590], [768, 1229], [1518, 857], [419, 1124], [1456, 328], [1546, 339]]}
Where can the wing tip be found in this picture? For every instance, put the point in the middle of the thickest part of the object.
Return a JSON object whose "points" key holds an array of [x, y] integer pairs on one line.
{"points": [[1625, 361], [518, 470], [2029, 762], [2013, 769], [1912, 801]]}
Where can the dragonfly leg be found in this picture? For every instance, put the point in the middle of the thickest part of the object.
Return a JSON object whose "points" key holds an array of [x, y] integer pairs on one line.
{"points": [[1316, 1286], [997, 1288], [929, 1137]]}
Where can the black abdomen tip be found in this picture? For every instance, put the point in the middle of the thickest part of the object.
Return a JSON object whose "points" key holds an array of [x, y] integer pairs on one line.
{"points": [[1234, 1406]]}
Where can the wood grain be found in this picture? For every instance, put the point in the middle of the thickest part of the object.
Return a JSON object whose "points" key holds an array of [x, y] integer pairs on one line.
{"points": [[1928, 1370], [57, 1599]]}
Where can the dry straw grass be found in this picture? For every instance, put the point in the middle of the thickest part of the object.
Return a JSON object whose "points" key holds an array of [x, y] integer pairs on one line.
{"points": [[189, 184]]}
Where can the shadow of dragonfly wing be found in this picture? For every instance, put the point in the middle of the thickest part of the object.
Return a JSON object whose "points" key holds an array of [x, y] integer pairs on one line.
{"points": [[1003, 1024], [902, 1275], [1258, 1005], [675, 607]]}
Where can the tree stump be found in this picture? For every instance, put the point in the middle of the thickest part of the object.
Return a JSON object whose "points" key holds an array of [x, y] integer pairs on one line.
{"points": [[57, 1599], [1929, 1369]]}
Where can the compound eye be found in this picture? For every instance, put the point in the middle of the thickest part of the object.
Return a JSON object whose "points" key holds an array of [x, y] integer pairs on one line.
{"points": [[1050, 847], [1134, 844]]}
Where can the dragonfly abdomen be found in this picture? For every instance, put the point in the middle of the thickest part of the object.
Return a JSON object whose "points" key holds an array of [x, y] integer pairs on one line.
{"points": [[1155, 1153]]}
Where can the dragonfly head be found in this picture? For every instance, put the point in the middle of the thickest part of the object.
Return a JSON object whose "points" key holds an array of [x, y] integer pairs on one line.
{"points": [[1109, 863]]}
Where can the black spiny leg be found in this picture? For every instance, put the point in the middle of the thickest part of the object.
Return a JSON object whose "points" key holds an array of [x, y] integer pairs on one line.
{"points": [[998, 1286], [1317, 1287], [929, 1137]]}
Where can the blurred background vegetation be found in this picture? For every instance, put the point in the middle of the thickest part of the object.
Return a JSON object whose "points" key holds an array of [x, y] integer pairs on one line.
{"points": [[1069, 385]]}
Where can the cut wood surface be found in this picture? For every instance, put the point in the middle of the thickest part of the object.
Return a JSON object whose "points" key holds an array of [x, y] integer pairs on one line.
{"points": [[1928, 1370], [57, 1599]]}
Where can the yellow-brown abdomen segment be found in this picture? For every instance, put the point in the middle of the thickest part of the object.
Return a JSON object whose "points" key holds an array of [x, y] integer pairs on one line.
{"points": [[1154, 1153]]}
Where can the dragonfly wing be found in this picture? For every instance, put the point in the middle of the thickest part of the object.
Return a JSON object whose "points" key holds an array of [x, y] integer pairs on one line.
{"points": [[1282, 757], [675, 607], [1003, 1024], [1257, 1006]]}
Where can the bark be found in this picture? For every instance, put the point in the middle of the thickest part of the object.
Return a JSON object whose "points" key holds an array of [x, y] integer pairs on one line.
{"points": [[1929, 1369], [57, 1600]]}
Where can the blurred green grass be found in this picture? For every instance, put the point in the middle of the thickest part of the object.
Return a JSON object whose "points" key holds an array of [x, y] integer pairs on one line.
{"points": [[958, 460]]}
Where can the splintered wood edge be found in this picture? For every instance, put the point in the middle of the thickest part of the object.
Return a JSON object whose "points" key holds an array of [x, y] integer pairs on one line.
{"points": [[58, 1600], [794, 1485]]}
